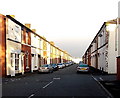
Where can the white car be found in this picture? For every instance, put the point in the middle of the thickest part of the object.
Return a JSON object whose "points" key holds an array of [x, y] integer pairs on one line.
{"points": [[45, 68], [60, 65], [66, 64]]}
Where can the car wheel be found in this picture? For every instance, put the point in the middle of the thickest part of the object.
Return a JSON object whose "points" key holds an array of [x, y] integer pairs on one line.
{"points": [[78, 72], [50, 71]]}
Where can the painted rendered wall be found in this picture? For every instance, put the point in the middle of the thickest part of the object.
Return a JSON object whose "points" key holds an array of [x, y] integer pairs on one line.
{"points": [[102, 59], [48, 53], [13, 30], [112, 53], [35, 51], [103, 50], [118, 47], [42, 60], [13, 47], [34, 59]]}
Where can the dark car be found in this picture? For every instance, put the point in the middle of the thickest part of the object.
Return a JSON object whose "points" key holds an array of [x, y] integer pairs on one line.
{"points": [[55, 67]]}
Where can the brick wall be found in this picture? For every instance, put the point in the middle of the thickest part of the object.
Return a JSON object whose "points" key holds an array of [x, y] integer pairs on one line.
{"points": [[2, 45]]}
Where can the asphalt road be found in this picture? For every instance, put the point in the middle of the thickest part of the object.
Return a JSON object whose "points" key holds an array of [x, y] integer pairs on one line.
{"points": [[65, 82]]}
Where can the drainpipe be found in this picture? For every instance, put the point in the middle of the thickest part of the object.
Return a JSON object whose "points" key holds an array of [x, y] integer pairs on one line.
{"points": [[118, 58], [118, 68]]}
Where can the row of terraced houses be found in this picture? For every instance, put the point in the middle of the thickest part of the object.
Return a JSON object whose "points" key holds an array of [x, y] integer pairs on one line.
{"points": [[22, 50], [103, 52]]}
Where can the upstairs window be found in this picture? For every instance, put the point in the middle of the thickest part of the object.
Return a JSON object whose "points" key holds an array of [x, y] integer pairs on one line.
{"points": [[26, 37]]}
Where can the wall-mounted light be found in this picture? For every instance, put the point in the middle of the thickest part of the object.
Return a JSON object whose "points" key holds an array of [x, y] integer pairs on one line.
{"points": [[100, 35]]}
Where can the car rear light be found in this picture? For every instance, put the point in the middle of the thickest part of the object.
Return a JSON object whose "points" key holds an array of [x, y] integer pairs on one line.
{"points": [[87, 68]]}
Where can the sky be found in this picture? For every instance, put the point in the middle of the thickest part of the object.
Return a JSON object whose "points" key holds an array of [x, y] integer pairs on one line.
{"points": [[70, 24]]}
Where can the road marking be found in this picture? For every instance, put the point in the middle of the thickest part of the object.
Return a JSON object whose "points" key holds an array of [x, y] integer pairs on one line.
{"points": [[12, 80], [110, 95], [0, 84], [56, 78], [26, 83], [94, 78], [6, 82], [101, 78], [48, 84], [31, 95]]}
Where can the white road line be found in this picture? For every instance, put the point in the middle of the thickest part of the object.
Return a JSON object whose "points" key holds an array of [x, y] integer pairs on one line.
{"points": [[0, 84], [31, 95], [94, 78], [102, 87], [48, 84], [56, 78], [101, 78]]}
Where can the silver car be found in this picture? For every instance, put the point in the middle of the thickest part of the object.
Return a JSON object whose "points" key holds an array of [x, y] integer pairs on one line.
{"points": [[45, 68], [61, 65]]}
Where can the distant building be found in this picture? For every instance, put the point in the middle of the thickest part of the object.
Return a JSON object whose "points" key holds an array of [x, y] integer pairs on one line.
{"points": [[76, 59]]}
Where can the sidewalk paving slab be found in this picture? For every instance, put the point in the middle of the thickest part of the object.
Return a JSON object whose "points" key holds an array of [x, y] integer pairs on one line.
{"points": [[109, 81]]}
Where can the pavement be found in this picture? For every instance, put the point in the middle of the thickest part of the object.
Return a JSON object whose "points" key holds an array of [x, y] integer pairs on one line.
{"points": [[107, 81], [6, 80]]}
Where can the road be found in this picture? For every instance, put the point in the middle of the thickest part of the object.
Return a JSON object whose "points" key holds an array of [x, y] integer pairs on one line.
{"points": [[65, 82]]}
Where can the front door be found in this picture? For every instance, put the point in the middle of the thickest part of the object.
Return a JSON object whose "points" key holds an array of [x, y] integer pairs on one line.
{"points": [[17, 57]]}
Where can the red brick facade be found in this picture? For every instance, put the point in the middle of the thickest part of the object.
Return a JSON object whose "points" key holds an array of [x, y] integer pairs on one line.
{"points": [[2, 45], [26, 49], [118, 68]]}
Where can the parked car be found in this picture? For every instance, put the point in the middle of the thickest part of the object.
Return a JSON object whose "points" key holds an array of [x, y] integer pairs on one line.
{"points": [[63, 64], [80, 62], [60, 65], [55, 66], [67, 64], [45, 68], [83, 68], [71, 63]]}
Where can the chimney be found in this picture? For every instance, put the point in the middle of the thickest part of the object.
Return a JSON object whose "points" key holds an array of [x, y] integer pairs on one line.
{"points": [[51, 42], [34, 30], [28, 25], [13, 16]]}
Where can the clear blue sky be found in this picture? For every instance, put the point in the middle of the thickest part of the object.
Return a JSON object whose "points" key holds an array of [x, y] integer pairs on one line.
{"points": [[71, 24]]}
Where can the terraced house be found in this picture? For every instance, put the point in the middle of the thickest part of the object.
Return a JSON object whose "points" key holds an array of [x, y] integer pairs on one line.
{"points": [[22, 50], [104, 49]]}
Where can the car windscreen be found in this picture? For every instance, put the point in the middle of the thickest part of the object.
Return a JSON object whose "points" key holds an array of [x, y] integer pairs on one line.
{"points": [[83, 65], [44, 66], [59, 64], [53, 64]]}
